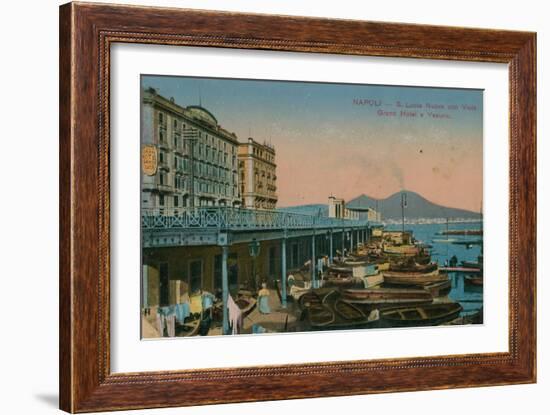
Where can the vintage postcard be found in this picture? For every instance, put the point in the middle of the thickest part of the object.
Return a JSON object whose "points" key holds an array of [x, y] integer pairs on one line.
{"points": [[283, 206]]}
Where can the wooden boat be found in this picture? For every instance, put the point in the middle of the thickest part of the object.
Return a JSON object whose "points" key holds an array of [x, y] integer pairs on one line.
{"points": [[411, 266], [423, 259], [473, 280], [402, 250], [469, 242], [331, 313], [320, 316], [403, 278], [462, 232], [188, 329], [383, 295], [410, 274], [380, 298], [356, 263], [349, 316], [438, 289], [313, 297], [346, 282], [340, 270], [246, 304], [444, 241], [426, 315]]}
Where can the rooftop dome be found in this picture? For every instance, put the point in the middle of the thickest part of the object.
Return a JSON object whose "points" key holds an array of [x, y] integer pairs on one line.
{"points": [[202, 114]]}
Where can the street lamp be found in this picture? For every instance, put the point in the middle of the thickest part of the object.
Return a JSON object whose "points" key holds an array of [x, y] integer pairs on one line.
{"points": [[191, 135], [254, 251]]}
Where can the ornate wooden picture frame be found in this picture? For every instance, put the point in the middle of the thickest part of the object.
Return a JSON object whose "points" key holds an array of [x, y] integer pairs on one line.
{"points": [[87, 32]]}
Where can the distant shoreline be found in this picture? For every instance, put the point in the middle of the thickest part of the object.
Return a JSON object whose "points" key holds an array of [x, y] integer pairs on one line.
{"points": [[430, 221]]}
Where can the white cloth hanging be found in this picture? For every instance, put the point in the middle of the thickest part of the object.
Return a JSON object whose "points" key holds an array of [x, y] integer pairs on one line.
{"points": [[235, 315]]}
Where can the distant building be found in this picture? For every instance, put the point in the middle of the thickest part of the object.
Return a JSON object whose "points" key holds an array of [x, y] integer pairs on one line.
{"points": [[337, 209], [257, 175], [367, 213], [188, 159]]}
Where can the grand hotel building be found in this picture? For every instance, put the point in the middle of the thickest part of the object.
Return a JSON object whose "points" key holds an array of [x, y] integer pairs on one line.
{"points": [[196, 159]]}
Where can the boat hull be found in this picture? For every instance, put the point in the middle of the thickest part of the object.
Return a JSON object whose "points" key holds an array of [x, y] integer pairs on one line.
{"points": [[429, 315]]}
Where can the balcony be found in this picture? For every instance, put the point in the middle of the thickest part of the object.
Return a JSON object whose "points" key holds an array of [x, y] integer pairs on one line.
{"points": [[230, 218], [156, 187]]}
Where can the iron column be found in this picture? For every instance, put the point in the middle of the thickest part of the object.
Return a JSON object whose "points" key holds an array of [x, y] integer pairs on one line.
{"points": [[283, 272], [331, 255], [313, 262], [225, 289]]}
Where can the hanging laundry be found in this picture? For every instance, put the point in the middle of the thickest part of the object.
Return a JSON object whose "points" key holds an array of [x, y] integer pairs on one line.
{"points": [[160, 323], [235, 315], [207, 300], [171, 325], [166, 318], [182, 312]]}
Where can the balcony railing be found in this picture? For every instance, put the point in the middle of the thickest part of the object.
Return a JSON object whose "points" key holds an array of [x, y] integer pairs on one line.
{"points": [[231, 218]]}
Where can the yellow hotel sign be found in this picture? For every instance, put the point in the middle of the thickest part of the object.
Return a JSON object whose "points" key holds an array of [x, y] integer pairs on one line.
{"points": [[149, 160]]}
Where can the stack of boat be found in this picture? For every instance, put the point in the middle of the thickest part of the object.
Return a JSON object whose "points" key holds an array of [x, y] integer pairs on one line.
{"points": [[330, 309], [324, 309], [382, 284]]}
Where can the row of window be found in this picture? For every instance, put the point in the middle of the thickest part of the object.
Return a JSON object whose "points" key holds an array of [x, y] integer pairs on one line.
{"points": [[266, 155], [200, 186], [177, 201], [201, 168], [201, 151]]}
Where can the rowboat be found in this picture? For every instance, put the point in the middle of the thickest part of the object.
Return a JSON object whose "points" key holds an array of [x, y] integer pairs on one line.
{"points": [[444, 241], [355, 263], [413, 267], [438, 289], [244, 301], [399, 274], [404, 250], [329, 312], [404, 278], [188, 329], [341, 270], [345, 282], [313, 297], [426, 315], [385, 295], [246, 304], [369, 299], [469, 242]]}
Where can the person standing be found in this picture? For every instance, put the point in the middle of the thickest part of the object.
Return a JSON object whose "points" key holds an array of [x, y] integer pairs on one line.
{"points": [[263, 299]]}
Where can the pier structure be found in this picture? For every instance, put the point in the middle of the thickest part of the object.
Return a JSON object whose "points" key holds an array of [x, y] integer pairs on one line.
{"points": [[226, 226]]}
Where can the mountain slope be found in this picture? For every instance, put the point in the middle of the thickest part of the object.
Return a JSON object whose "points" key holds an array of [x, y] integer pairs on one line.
{"points": [[417, 207]]}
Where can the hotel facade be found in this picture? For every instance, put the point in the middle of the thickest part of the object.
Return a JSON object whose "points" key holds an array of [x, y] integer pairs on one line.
{"points": [[257, 175], [196, 159]]}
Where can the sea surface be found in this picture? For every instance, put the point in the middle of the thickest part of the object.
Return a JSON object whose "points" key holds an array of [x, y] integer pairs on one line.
{"points": [[470, 297]]}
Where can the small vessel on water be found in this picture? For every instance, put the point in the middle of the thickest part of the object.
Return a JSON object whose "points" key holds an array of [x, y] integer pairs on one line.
{"points": [[404, 278], [386, 297], [412, 266], [426, 315]]}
